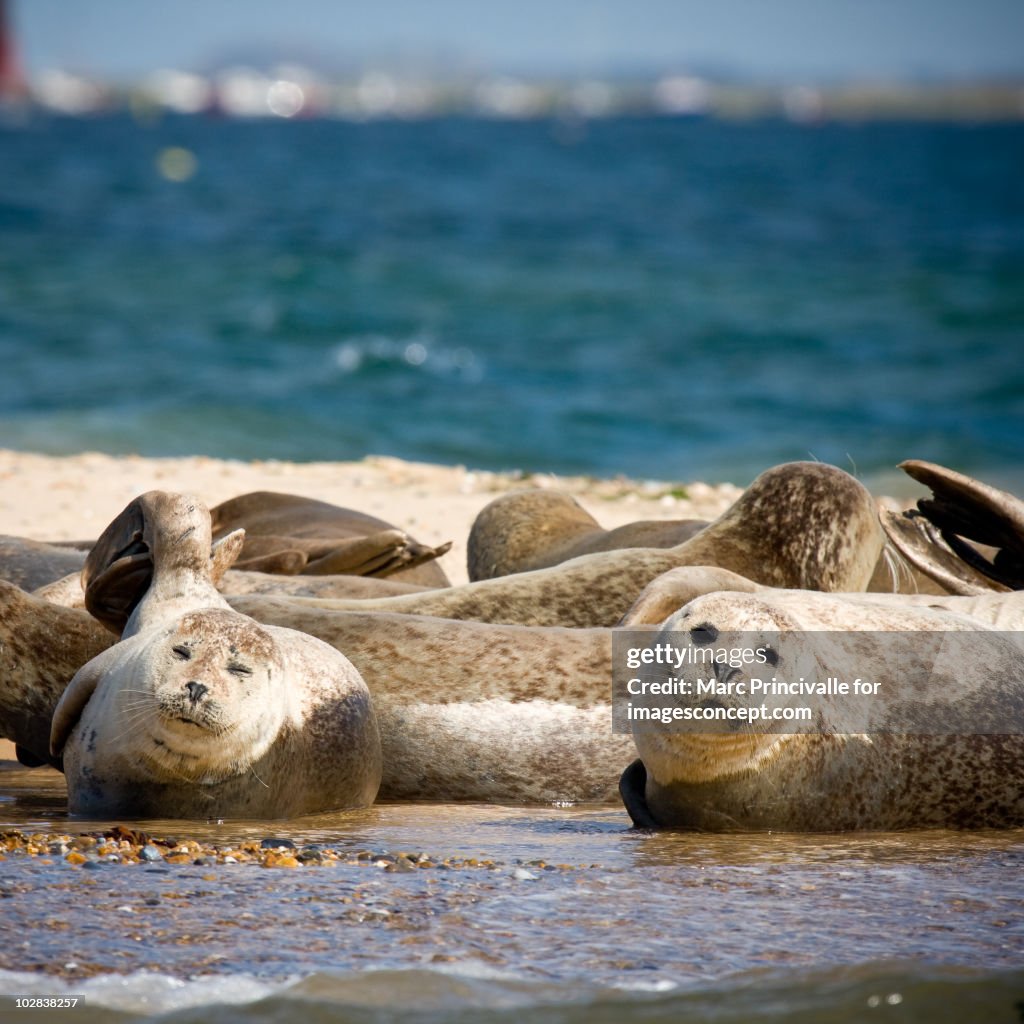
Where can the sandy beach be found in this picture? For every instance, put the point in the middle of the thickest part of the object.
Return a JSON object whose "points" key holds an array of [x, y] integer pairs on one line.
{"points": [[47, 497]]}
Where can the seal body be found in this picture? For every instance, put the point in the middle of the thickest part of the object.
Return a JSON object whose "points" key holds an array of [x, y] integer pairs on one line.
{"points": [[960, 772], [535, 529], [30, 564], [475, 711], [287, 533], [42, 646]]}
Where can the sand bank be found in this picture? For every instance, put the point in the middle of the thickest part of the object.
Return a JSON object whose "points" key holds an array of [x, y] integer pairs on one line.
{"points": [[74, 497]]}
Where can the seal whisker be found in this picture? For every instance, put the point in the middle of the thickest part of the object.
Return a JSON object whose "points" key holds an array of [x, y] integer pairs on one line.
{"points": [[137, 705], [130, 727], [899, 568]]}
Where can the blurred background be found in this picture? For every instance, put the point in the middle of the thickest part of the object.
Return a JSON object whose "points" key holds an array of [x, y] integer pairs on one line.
{"points": [[659, 238]]}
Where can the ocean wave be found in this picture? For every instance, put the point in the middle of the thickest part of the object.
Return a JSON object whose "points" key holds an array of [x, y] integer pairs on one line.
{"points": [[140, 995], [913, 991], [416, 352]]}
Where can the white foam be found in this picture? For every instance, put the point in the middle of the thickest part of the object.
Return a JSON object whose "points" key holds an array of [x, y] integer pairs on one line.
{"points": [[143, 991]]}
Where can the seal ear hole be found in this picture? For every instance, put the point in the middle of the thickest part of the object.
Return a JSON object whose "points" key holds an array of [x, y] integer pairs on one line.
{"points": [[703, 634], [182, 652], [236, 668], [771, 656]]}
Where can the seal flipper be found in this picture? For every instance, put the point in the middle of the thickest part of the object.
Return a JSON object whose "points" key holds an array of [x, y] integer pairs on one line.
{"points": [[73, 701], [224, 554], [632, 786], [932, 536], [118, 569], [968, 507], [377, 554], [27, 758]]}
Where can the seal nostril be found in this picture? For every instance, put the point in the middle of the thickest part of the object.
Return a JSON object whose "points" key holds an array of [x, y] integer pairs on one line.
{"points": [[196, 691]]}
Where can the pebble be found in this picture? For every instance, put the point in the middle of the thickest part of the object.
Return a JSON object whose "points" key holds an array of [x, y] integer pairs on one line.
{"points": [[113, 847], [277, 844]]}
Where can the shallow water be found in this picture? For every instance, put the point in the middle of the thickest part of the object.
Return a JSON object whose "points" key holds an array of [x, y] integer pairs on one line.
{"points": [[613, 924]]}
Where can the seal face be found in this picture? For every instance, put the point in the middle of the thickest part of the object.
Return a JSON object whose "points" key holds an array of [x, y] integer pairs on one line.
{"points": [[206, 698]]}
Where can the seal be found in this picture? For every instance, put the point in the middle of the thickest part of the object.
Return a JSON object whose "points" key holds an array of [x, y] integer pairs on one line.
{"points": [[31, 564], [68, 590], [535, 529], [476, 711], [954, 771], [288, 534], [668, 593], [803, 524], [42, 646], [503, 713], [466, 711], [199, 711]]}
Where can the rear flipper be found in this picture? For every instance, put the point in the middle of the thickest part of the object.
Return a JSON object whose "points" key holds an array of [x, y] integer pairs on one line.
{"points": [[935, 536]]}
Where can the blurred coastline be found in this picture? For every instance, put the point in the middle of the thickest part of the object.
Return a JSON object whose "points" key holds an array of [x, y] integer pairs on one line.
{"points": [[289, 90]]}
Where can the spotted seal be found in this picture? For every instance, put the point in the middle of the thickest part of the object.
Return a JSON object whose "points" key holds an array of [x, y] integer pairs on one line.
{"points": [[960, 774], [199, 711], [535, 529], [287, 533]]}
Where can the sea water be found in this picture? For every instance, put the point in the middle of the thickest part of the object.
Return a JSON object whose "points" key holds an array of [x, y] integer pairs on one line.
{"points": [[662, 298], [558, 914]]}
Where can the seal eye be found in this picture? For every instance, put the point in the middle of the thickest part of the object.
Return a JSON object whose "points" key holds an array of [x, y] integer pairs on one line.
{"points": [[182, 652], [236, 668]]}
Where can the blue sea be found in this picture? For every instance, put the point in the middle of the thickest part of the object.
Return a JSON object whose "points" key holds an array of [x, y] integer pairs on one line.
{"points": [[662, 298]]}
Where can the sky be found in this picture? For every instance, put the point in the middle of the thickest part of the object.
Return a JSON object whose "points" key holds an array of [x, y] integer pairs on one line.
{"points": [[767, 39]]}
